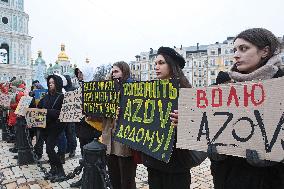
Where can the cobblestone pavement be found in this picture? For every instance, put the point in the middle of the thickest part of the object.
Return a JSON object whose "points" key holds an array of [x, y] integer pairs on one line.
{"points": [[13, 176]]}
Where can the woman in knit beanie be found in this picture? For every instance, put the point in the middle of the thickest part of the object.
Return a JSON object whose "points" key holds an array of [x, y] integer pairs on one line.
{"points": [[175, 173]]}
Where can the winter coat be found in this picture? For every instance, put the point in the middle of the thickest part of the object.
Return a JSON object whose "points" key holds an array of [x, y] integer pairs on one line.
{"points": [[114, 147], [180, 162], [12, 117], [53, 104], [238, 173]]}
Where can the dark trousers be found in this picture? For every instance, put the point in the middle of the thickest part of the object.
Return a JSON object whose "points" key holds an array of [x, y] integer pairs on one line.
{"points": [[71, 137], [51, 138], [61, 143], [122, 172], [162, 180], [38, 147]]}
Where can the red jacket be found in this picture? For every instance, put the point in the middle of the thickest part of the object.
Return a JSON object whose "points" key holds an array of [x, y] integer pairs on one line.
{"points": [[12, 117]]}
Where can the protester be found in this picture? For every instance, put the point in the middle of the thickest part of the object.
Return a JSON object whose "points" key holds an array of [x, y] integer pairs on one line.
{"points": [[175, 173], [256, 58], [70, 131], [17, 87], [121, 167], [67, 142], [36, 132], [52, 101], [85, 132]]}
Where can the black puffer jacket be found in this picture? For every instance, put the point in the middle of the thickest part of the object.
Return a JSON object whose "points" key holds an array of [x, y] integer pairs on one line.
{"points": [[236, 173], [53, 104]]}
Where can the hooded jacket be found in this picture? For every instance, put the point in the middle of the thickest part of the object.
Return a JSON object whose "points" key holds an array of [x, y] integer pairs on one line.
{"points": [[53, 104]]}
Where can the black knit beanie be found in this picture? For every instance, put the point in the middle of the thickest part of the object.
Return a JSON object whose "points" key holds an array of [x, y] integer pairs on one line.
{"points": [[173, 54]]}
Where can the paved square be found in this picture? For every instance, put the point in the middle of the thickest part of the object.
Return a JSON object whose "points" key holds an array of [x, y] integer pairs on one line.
{"points": [[13, 176]]}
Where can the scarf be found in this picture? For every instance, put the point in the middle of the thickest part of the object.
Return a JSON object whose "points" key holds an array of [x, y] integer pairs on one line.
{"points": [[265, 72]]}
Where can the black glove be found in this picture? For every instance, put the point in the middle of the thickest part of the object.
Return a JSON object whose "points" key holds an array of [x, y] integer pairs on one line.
{"points": [[213, 154], [253, 159]]}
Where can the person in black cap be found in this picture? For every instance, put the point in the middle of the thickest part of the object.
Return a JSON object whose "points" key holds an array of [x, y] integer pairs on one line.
{"points": [[175, 173]]}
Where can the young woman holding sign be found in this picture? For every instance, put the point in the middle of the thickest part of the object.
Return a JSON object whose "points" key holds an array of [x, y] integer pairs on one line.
{"points": [[255, 58], [175, 173], [121, 167], [52, 101]]}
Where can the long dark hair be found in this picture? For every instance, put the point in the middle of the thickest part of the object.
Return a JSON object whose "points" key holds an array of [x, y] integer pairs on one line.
{"points": [[261, 38], [124, 67], [176, 71]]}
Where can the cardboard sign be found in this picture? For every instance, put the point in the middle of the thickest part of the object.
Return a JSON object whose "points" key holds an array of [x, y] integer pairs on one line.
{"points": [[71, 110], [23, 104], [234, 117], [39, 94], [144, 121], [100, 98], [36, 117], [5, 100]]}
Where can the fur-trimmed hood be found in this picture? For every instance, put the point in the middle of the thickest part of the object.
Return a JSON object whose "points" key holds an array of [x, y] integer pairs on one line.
{"points": [[265, 72]]}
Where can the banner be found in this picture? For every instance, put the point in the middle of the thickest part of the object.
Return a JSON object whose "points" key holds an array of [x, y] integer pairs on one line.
{"points": [[5, 100], [71, 110], [39, 94], [144, 121], [36, 117], [23, 104], [234, 117], [100, 98]]}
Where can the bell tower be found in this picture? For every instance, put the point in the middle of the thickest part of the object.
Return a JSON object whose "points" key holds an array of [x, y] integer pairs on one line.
{"points": [[15, 42]]}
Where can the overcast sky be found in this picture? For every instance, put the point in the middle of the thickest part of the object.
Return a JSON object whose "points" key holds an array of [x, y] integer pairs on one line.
{"points": [[106, 31]]}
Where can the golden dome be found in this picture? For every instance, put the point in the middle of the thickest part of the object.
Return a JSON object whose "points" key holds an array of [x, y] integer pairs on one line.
{"points": [[62, 55]]}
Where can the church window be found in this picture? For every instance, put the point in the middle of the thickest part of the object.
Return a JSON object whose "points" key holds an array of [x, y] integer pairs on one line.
{"points": [[4, 20]]}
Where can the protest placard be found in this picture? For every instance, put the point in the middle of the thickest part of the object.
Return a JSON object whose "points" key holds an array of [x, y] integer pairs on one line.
{"points": [[23, 104], [36, 117], [234, 117], [5, 100], [144, 121], [71, 110], [100, 98], [39, 94]]}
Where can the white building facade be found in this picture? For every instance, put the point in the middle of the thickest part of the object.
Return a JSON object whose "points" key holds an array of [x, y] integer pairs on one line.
{"points": [[15, 42]]}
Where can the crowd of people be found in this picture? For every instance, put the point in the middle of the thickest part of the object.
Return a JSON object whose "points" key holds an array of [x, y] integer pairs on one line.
{"points": [[256, 57]]}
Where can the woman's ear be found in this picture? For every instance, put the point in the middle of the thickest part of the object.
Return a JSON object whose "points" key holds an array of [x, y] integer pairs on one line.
{"points": [[265, 52]]}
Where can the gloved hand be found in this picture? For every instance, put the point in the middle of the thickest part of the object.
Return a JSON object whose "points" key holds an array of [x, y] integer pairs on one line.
{"points": [[213, 154]]}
